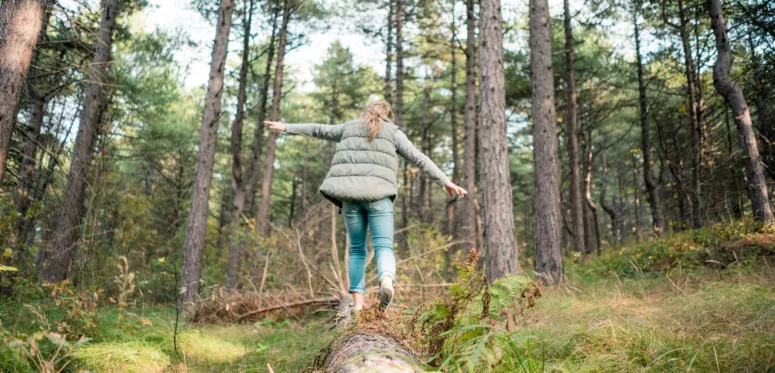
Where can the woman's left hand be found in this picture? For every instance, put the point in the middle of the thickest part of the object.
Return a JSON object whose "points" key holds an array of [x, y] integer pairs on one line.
{"points": [[454, 190], [277, 126]]}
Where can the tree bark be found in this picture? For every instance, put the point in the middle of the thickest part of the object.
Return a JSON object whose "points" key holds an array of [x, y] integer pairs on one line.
{"points": [[20, 24], [255, 155], [37, 104], [652, 189], [546, 202], [736, 100], [365, 351], [423, 198], [588, 163], [197, 217], [389, 53], [499, 240], [636, 201], [238, 183], [56, 263], [765, 115], [262, 219], [398, 108], [468, 213], [696, 116], [451, 201], [571, 133], [611, 210]]}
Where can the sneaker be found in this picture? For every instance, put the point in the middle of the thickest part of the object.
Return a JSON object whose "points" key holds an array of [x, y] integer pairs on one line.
{"points": [[385, 293]]}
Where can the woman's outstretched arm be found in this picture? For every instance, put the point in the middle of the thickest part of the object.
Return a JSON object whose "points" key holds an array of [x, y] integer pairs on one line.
{"points": [[406, 149], [320, 131]]}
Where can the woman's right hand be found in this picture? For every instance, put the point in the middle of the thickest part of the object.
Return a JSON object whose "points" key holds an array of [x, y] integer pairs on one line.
{"points": [[454, 190], [277, 126]]}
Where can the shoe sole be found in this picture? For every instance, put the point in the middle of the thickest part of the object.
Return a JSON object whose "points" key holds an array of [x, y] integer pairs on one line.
{"points": [[385, 298]]}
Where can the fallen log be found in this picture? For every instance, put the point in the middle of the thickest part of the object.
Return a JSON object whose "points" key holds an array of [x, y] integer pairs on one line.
{"points": [[366, 345], [288, 307], [233, 307], [362, 351]]}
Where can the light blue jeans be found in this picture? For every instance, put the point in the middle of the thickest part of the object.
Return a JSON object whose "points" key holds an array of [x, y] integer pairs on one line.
{"points": [[377, 216]]}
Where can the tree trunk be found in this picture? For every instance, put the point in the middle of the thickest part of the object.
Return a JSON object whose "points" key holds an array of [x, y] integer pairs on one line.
{"points": [[56, 264], [621, 201], [736, 100], [255, 155], [588, 163], [197, 217], [611, 210], [44, 178], [765, 115], [451, 202], [696, 116], [262, 219], [238, 183], [652, 188], [406, 192], [37, 103], [636, 201], [389, 53], [366, 351], [499, 239], [571, 133], [737, 203], [468, 214], [20, 24], [423, 202], [398, 108], [546, 202]]}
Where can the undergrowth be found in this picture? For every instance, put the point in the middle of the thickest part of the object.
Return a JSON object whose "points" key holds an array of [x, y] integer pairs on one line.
{"points": [[697, 301], [714, 247]]}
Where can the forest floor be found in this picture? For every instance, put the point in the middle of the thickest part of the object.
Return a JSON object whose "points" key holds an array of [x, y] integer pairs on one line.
{"points": [[702, 319]]}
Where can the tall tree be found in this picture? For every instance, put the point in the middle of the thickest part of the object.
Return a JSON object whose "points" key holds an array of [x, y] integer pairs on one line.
{"points": [[652, 188], [757, 188], [571, 134], [765, 113], [422, 201], [499, 239], [451, 202], [398, 107], [468, 215], [695, 112], [200, 198], [253, 173], [56, 263], [20, 24], [389, 53], [262, 219], [238, 183], [546, 201], [37, 107]]}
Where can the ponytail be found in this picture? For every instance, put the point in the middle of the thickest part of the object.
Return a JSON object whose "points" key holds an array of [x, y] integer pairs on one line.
{"points": [[374, 115]]}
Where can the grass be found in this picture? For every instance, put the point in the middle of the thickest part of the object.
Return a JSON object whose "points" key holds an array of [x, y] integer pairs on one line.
{"points": [[130, 357], [610, 316], [143, 342], [706, 324]]}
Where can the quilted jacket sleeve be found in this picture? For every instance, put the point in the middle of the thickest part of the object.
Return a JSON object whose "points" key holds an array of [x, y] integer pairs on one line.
{"points": [[407, 150], [320, 131]]}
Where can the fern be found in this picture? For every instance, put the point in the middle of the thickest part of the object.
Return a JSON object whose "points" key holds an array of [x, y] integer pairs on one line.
{"points": [[469, 329]]}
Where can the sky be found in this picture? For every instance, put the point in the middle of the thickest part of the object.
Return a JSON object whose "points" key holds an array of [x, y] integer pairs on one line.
{"points": [[177, 14], [172, 15]]}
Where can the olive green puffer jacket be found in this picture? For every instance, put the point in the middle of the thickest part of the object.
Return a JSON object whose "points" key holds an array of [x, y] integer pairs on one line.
{"points": [[363, 170]]}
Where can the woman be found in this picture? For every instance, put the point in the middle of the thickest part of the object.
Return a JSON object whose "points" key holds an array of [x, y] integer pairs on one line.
{"points": [[363, 182]]}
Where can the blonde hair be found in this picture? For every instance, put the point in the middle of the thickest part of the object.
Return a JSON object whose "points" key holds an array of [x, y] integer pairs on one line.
{"points": [[374, 115]]}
